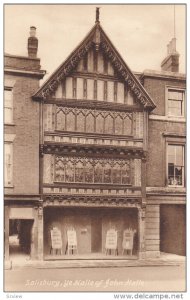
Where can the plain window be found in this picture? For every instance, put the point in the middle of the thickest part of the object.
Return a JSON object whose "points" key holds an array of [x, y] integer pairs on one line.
{"points": [[176, 102], [176, 165], [8, 112]]}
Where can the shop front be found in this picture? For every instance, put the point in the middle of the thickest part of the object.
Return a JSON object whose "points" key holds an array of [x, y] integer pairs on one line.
{"points": [[90, 233]]}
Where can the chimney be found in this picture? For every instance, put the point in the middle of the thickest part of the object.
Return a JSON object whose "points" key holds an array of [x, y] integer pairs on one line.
{"points": [[171, 62], [32, 43]]}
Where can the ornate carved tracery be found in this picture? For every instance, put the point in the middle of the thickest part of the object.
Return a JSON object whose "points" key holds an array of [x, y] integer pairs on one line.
{"points": [[95, 121], [91, 170]]}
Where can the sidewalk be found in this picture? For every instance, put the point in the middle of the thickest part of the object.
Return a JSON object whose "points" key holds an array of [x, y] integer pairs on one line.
{"points": [[165, 259]]}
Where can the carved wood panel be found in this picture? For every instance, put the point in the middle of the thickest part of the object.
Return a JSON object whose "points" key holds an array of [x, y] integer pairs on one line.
{"points": [[94, 121]]}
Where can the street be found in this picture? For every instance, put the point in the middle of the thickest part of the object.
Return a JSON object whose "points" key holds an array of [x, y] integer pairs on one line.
{"points": [[128, 279]]}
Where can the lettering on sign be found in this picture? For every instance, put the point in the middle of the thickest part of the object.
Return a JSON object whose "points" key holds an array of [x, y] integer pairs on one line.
{"points": [[56, 239], [111, 239], [72, 238]]}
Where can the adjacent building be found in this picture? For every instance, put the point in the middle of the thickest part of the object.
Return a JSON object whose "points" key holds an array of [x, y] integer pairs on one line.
{"points": [[96, 149], [21, 148]]}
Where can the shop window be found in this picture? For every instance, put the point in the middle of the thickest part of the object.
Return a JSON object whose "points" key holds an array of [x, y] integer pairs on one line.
{"points": [[175, 165], [8, 164], [176, 99], [8, 106]]}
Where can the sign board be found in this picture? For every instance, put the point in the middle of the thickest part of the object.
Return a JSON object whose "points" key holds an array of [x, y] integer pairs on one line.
{"points": [[128, 236], [72, 238], [111, 239], [56, 239], [21, 213]]}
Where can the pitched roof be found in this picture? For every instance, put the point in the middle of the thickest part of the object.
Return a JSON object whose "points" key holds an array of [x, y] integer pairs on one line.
{"points": [[98, 38]]}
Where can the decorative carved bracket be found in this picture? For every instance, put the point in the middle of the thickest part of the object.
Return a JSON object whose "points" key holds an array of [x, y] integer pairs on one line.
{"points": [[104, 201]]}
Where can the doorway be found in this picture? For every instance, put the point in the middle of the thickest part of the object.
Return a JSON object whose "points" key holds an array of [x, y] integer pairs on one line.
{"points": [[20, 238], [173, 229]]}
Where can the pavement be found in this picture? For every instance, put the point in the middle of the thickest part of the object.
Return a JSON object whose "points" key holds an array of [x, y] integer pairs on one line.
{"points": [[165, 259]]}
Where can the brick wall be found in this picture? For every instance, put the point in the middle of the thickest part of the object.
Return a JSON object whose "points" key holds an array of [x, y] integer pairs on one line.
{"points": [[22, 62], [26, 142], [156, 163], [156, 89]]}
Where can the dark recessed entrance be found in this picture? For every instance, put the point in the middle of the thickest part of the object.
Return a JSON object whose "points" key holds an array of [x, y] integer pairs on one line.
{"points": [[20, 236], [172, 229]]}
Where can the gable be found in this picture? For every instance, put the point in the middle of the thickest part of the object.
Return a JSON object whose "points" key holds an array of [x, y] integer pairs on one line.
{"points": [[94, 78], [95, 71]]}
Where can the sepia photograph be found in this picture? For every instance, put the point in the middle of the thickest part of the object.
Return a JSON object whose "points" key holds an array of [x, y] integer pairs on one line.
{"points": [[94, 148]]}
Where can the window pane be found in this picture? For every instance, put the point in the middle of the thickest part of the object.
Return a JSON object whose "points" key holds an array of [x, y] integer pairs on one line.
{"points": [[175, 108], [179, 155], [171, 154], [79, 172], [178, 175], [69, 172], [89, 172], [59, 170], [175, 165], [116, 174], [125, 173], [98, 172], [175, 102], [107, 173]]}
